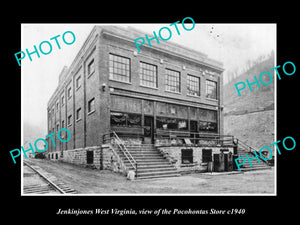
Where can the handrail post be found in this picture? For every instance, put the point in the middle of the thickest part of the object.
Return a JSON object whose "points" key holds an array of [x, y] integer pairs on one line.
{"points": [[136, 170]]}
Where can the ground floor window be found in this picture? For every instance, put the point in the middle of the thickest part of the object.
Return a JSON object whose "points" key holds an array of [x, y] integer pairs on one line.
{"points": [[206, 155], [89, 157], [125, 119], [208, 126], [171, 123], [186, 156]]}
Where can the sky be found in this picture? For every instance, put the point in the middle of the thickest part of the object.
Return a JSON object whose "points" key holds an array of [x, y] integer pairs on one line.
{"points": [[232, 44]]}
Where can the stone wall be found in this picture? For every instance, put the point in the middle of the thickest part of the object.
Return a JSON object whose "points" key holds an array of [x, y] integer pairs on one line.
{"points": [[103, 158], [173, 154]]}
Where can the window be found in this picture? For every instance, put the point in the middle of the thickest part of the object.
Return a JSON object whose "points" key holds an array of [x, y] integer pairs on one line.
{"points": [[57, 106], [134, 120], [69, 92], [69, 120], [208, 126], [89, 157], [91, 105], [211, 89], [78, 82], [148, 75], [172, 80], [91, 67], [166, 123], [117, 119], [62, 100], [63, 124], [119, 68], [193, 85], [206, 155], [57, 127], [186, 156], [182, 125], [125, 119], [78, 114]]}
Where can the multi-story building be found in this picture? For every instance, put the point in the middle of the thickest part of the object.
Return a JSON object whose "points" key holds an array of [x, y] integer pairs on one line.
{"points": [[110, 86]]}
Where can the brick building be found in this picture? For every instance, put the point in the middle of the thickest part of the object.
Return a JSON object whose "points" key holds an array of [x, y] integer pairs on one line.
{"points": [[154, 96]]}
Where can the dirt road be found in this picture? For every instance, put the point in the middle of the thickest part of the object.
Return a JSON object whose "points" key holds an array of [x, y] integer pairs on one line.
{"points": [[92, 181]]}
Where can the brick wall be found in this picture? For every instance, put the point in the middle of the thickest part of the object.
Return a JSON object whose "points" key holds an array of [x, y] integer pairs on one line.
{"points": [[87, 131]]}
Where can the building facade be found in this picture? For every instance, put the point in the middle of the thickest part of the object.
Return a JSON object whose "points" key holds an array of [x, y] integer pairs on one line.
{"points": [[111, 87]]}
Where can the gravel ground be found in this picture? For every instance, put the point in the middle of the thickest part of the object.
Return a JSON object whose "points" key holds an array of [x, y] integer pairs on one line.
{"points": [[92, 181]]}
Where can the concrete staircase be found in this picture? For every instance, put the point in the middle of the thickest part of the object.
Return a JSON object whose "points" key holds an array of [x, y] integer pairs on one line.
{"points": [[150, 162], [255, 165]]}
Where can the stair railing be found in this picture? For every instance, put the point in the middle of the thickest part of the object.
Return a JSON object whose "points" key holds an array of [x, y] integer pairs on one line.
{"points": [[124, 150], [244, 145], [249, 148]]}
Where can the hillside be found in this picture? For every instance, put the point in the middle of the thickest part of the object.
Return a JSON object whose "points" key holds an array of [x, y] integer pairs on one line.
{"points": [[250, 117], [31, 133]]}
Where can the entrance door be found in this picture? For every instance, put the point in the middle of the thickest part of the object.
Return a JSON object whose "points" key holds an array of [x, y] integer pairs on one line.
{"points": [[148, 130]]}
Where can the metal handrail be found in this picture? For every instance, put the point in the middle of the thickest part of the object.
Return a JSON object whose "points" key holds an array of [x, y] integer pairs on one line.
{"points": [[245, 145], [251, 150], [125, 151], [194, 136]]}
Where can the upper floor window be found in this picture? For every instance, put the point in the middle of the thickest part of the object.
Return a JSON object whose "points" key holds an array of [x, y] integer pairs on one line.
{"points": [[78, 82], [57, 106], [119, 68], [172, 80], [62, 100], [148, 75], [193, 85], [91, 67], [78, 114], [69, 92], [91, 105], [69, 120], [211, 89]]}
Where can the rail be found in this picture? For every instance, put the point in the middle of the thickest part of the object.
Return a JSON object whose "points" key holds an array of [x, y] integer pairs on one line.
{"points": [[45, 178], [194, 138], [244, 145], [249, 148], [120, 144]]}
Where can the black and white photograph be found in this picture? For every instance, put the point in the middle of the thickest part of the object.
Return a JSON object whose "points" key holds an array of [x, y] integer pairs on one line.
{"points": [[148, 109], [189, 117]]}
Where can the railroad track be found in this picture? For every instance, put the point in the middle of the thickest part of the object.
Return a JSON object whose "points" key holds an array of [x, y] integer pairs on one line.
{"points": [[43, 182]]}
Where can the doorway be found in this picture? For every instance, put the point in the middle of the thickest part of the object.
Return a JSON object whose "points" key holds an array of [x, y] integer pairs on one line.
{"points": [[148, 130]]}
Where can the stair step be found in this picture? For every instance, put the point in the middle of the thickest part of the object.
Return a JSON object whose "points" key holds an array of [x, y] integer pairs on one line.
{"points": [[259, 165], [142, 145], [162, 166], [255, 168], [143, 153], [145, 157], [141, 170], [158, 176], [156, 173], [152, 164], [140, 148]]}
